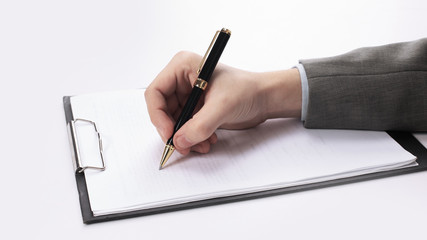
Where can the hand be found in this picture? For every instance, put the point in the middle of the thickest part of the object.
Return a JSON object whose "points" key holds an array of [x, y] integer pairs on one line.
{"points": [[234, 99]]}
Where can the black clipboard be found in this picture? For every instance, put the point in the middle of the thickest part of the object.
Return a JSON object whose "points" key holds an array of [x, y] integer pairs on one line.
{"points": [[405, 139]]}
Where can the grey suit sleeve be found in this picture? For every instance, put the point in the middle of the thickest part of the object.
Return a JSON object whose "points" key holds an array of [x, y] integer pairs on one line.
{"points": [[375, 88]]}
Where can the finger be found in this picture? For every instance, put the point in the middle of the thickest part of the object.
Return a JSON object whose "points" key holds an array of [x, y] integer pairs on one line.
{"points": [[183, 151], [213, 138], [202, 147], [168, 92], [157, 110], [163, 97], [199, 128]]}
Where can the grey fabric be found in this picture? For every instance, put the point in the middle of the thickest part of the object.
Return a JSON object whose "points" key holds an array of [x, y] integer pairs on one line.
{"points": [[375, 88]]}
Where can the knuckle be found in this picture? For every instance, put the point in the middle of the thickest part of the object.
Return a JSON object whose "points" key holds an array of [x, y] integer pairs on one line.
{"points": [[186, 56], [183, 55]]}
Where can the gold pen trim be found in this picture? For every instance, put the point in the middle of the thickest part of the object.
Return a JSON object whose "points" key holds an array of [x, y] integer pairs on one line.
{"points": [[200, 83], [207, 52], [167, 152], [225, 30]]}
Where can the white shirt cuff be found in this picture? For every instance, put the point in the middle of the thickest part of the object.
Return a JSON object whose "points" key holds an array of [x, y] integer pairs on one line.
{"points": [[304, 88]]}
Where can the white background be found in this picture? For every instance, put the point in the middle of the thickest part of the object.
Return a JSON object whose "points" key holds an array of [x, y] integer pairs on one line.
{"points": [[49, 49]]}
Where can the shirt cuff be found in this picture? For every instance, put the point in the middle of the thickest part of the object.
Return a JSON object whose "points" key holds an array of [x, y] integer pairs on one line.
{"points": [[304, 88]]}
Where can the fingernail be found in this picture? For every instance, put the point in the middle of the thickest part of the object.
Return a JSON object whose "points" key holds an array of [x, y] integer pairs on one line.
{"points": [[182, 142]]}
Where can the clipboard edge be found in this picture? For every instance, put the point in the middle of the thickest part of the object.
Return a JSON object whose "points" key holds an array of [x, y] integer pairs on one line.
{"points": [[85, 207], [405, 139]]}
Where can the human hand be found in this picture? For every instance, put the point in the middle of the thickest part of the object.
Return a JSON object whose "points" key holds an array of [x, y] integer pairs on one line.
{"points": [[234, 99]]}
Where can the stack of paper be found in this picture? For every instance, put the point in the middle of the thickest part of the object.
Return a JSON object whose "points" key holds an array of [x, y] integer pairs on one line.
{"points": [[276, 154]]}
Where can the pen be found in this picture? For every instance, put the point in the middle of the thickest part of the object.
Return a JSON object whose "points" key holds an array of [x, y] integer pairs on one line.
{"points": [[206, 68]]}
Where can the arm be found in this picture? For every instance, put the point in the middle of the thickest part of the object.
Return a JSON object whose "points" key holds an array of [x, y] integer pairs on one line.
{"points": [[377, 88], [382, 88]]}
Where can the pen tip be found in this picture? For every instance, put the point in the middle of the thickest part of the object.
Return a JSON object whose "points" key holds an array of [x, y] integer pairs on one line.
{"points": [[167, 152]]}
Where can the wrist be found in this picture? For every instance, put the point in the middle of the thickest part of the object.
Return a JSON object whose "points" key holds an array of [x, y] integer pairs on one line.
{"points": [[281, 94]]}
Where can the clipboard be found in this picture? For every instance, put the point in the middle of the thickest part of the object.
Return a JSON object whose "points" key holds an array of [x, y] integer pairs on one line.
{"points": [[405, 139]]}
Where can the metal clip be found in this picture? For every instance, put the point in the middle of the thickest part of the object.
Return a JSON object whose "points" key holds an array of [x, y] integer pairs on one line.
{"points": [[78, 166], [207, 52], [224, 30]]}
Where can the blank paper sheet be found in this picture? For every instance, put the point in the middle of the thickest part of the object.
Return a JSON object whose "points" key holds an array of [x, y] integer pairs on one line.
{"points": [[276, 154]]}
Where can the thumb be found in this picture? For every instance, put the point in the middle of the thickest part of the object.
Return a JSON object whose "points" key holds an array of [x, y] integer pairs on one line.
{"points": [[198, 129]]}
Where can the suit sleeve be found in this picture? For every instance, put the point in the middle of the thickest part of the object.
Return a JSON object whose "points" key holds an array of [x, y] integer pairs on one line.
{"points": [[374, 88]]}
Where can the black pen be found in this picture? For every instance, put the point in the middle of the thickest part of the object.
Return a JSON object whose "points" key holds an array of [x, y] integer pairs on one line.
{"points": [[206, 68]]}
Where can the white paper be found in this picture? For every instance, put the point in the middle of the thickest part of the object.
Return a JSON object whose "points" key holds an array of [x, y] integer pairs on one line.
{"points": [[276, 154]]}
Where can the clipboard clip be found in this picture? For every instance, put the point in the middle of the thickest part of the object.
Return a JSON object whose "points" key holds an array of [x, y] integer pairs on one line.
{"points": [[77, 161]]}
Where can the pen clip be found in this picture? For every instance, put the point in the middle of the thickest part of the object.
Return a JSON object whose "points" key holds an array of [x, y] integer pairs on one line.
{"points": [[207, 52]]}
